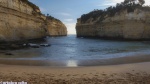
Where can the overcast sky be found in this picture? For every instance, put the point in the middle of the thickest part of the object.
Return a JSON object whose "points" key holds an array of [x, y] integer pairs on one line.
{"points": [[69, 10]]}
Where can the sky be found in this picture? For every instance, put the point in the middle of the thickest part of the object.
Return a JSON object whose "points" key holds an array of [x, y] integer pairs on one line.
{"points": [[69, 10]]}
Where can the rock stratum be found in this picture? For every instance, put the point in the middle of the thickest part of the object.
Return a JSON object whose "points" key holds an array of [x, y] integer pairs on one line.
{"points": [[124, 24], [21, 20]]}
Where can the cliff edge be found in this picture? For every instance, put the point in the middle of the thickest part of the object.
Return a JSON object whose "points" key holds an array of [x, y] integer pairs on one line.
{"points": [[128, 20], [56, 27]]}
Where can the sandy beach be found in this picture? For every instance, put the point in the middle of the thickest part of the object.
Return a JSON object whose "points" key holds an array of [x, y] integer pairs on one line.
{"points": [[136, 73]]}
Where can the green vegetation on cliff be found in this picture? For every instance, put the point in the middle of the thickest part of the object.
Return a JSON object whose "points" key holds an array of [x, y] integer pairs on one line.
{"points": [[52, 18], [129, 5], [36, 7], [30, 4]]}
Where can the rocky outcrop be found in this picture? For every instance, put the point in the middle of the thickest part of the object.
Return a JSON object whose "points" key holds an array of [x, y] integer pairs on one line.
{"points": [[21, 20], [56, 27], [123, 25]]}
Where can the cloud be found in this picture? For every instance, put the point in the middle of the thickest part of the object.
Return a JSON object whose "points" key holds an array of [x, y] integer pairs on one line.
{"points": [[65, 14], [71, 28], [68, 20], [147, 2], [107, 3], [115, 1]]}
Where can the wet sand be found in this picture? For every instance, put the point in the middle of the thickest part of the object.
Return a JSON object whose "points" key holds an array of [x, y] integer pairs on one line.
{"points": [[136, 73], [77, 63]]}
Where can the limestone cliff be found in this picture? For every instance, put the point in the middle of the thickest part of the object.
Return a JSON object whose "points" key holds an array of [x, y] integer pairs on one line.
{"points": [[133, 25], [56, 27], [20, 20]]}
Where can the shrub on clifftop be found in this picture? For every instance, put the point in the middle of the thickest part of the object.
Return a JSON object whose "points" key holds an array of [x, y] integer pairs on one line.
{"points": [[129, 5]]}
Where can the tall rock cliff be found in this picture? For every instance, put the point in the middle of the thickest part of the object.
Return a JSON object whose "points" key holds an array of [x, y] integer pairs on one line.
{"points": [[20, 20], [127, 23], [56, 27]]}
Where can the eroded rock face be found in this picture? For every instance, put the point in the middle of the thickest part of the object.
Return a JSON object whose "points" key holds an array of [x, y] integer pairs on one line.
{"points": [[56, 28], [134, 25], [20, 20]]}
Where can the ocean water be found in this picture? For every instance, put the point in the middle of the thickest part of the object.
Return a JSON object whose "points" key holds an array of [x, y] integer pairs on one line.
{"points": [[71, 50]]}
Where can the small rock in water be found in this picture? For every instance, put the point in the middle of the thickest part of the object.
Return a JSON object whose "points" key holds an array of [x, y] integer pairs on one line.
{"points": [[15, 46], [45, 45], [24, 44], [33, 45], [3, 48], [8, 54]]}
